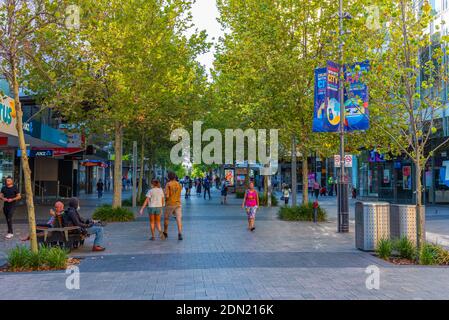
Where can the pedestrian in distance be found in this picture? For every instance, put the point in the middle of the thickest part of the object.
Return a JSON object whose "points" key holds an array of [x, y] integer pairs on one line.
{"points": [[9, 194], [173, 204], [250, 204], [100, 187], [286, 194], [198, 187], [154, 201], [185, 182], [224, 191], [316, 189], [206, 186]]}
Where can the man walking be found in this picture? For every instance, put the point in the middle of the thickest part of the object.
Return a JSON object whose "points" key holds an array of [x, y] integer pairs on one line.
{"points": [[173, 204], [206, 186], [9, 194], [100, 186]]}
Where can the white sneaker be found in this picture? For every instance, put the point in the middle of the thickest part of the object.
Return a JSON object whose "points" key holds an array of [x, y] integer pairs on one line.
{"points": [[9, 236]]}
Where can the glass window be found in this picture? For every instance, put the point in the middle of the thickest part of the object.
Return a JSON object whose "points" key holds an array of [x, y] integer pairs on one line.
{"points": [[6, 165]]}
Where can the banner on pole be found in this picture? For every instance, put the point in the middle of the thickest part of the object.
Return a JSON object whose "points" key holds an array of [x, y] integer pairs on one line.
{"points": [[327, 110]]}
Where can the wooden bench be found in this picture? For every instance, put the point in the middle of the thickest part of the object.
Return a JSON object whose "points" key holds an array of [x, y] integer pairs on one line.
{"points": [[67, 237]]}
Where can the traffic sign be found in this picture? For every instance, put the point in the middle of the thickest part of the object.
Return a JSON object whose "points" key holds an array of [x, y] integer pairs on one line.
{"points": [[348, 160]]}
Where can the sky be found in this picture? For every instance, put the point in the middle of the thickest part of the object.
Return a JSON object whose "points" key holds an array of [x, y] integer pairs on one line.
{"points": [[205, 14]]}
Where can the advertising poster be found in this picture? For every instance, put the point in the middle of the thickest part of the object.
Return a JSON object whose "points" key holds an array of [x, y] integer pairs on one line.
{"points": [[356, 97], [327, 113], [229, 176], [407, 177], [319, 113]]}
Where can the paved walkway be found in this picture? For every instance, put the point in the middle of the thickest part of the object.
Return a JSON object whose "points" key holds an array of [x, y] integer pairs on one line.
{"points": [[220, 259]]}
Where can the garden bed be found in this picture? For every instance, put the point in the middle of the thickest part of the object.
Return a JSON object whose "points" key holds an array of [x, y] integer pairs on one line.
{"points": [[21, 259], [404, 252]]}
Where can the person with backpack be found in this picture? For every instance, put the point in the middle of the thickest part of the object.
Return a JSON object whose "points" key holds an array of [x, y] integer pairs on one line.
{"points": [[224, 191], [72, 217], [250, 204]]}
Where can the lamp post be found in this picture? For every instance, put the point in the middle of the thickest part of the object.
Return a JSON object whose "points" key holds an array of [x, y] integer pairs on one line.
{"points": [[343, 206]]}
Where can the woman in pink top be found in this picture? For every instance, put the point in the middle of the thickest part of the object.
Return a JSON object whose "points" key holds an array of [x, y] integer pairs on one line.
{"points": [[251, 203]]}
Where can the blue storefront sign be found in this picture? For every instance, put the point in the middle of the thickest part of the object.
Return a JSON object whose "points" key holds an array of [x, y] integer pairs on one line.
{"points": [[54, 136], [32, 128], [36, 153]]}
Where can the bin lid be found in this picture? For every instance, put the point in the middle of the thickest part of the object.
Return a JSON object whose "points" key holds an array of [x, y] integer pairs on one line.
{"points": [[374, 203]]}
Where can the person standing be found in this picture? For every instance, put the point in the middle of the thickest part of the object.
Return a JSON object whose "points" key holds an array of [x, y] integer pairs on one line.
{"points": [[286, 194], [173, 204], [224, 191], [100, 187], [206, 185], [316, 189], [155, 201], [9, 194], [251, 203], [185, 182], [198, 187]]}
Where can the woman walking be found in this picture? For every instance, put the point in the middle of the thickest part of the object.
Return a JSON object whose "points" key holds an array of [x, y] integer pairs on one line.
{"points": [[316, 189], [155, 201], [251, 203]]}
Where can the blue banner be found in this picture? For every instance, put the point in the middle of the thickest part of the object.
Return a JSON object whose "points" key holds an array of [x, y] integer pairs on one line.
{"points": [[356, 97], [327, 110]]}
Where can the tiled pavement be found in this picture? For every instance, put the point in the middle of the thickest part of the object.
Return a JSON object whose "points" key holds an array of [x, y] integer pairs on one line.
{"points": [[220, 259]]}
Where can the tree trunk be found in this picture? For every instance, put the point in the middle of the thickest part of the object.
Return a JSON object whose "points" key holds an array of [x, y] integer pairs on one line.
{"points": [[118, 146], [24, 160], [420, 212], [305, 180], [142, 168], [294, 170]]}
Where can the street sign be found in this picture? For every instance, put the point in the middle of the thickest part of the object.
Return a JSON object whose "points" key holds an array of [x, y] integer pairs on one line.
{"points": [[337, 162], [348, 161]]}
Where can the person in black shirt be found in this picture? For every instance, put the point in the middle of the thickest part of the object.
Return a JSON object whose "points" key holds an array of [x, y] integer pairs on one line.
{"points": [[100, 187], [9, 195]]}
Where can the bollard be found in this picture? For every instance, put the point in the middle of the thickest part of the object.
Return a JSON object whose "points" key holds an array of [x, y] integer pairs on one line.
{"points": [[315, 211]]}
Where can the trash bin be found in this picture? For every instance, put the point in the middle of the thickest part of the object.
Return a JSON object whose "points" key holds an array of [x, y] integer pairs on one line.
{"points": [[403, 222], [372, 223]]}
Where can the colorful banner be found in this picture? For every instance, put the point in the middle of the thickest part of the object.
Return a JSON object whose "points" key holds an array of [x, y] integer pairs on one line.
{"points": [[356, 97], [327, 110]]}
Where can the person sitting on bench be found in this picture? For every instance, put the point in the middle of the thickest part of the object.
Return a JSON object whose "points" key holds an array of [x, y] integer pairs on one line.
{"points": [[73, 218], [55, 213]]}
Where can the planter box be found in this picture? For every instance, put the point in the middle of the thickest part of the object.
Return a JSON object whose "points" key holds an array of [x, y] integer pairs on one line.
{"points": [[372, 223]]}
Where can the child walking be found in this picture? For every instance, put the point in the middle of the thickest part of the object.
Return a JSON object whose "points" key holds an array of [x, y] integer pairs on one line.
{"points": [[251, 203], [155, 201]]}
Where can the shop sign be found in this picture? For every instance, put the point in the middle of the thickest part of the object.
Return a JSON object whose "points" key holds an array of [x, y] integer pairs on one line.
{"points": [[36, 153], [8, 116], [52, 135], [32, 128]]}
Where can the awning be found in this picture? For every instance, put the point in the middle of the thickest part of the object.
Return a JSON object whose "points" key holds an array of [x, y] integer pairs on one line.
{"points": [[94, 163]]}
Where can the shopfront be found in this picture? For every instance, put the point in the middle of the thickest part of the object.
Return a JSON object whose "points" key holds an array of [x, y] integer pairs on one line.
{"points": [[383, 179]]}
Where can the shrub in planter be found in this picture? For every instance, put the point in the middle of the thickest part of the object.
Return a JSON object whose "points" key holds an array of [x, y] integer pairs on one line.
{"points": [[302, 213], [405, 248], [240, 194], [427, 255], [263, 200], [108, 214], [21, 258], [384, 248], [129, 202], [442, 255]]}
